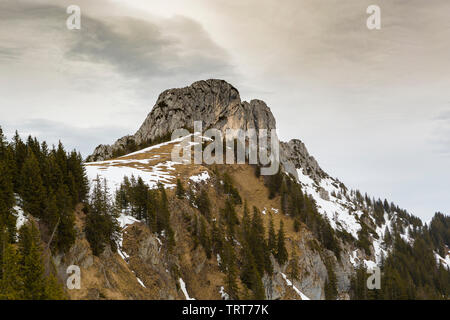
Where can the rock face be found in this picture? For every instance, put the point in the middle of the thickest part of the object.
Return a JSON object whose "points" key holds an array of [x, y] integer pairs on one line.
{"points": [[214, 102], [294, 155], [218, 105]]}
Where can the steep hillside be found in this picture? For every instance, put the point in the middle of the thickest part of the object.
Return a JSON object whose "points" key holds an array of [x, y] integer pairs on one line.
{"points": [[332, 234], [142, 225]]}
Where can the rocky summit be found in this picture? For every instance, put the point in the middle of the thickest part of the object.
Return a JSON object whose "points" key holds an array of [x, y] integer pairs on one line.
{"points": [[335, 237], [133, 223], [214, 102]]}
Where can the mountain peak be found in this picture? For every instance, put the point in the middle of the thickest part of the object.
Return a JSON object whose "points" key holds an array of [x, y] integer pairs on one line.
{"points": [[214, 102]]}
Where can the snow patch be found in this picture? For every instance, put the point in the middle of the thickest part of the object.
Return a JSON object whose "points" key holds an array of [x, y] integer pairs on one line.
{"points": [[140, 282], [290, 284], [183, 288], [444, 261], [21, 217], [219, 260], [336, 210], [223, 294], [200, 177]]}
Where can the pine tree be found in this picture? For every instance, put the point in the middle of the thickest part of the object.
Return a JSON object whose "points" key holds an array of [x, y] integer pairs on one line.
{"points": [[250, 275], [231, 273], [20, 154], [282, 254], [246, 224], [7, 202], [204, 204], [101, 226], [293, 266], [51, 217], [11, 282], [163, 213], [257, 240], [204, 237], [272, 240], [297, 224], [65, 236], [53, 289], [217, 238], [180, 192], [33, 265], [331, 282], [230, 217], [32, 190]]}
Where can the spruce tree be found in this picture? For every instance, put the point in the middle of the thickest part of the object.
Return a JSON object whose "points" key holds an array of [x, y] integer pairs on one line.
{"points": [[272, 240], [101, 226], [7, 202], [204, 237], [32, 190], [180, 192], [282, 254], [33, 265], [258, 244], [246, 224], [231, 286], [204, 204], [293, 266], [11, 282], [65, 236]]}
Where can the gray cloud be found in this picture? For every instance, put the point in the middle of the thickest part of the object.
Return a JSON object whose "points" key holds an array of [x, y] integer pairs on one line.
{"points": [[9, 53], [141, 49], [134, 47]]}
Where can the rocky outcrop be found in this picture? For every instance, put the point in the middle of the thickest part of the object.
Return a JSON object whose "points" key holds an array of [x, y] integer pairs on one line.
{"points": [[214, 102], [217, 104], [294, 155]]}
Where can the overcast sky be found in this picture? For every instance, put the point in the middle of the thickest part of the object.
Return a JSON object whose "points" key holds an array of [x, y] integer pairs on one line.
{"points": [[373, 106]]}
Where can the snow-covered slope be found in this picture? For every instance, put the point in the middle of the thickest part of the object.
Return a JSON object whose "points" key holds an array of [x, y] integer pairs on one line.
{"points": [[345, 212]]}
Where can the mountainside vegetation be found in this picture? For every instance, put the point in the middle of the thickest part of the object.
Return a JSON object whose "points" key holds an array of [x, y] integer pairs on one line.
{"points": [[229, 225], [45, 185]]}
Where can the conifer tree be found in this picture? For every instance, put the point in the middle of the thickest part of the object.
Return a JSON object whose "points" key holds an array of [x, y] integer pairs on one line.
{"points": [[246, 224], [163, 213], [33, 265], [258, 244], [231, 285], [282, 254], [20, 154], [250, 275], [11, 282], [217, 238], [32, 190], [230, 217], [65, 236], [7, 202], [204, 204], [53, 289], [101, 226], [272, 240], [331, 282], [204, 237], [180, 192], [297, 224], [293, 266]]}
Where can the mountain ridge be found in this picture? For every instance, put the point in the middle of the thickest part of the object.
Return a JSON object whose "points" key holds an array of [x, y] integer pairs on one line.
{"points": [[362, 225]]}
